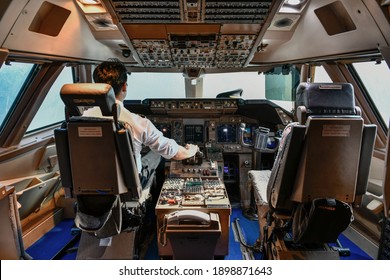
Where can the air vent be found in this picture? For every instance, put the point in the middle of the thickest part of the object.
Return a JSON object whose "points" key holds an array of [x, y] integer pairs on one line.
{"points": [[284, 22], [101, 22]]}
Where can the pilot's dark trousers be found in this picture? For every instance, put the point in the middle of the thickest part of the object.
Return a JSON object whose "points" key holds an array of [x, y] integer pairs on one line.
{"points": [[153, 164]]}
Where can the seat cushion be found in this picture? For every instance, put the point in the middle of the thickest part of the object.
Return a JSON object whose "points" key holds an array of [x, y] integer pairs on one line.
{"points": [[258, 181]]}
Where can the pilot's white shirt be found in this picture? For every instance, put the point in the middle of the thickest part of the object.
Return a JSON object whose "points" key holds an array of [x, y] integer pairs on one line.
{"points": [[144, 133]]}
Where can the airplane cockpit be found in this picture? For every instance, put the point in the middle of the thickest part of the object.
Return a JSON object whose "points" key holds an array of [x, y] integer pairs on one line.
{"points": [[285, 102]]}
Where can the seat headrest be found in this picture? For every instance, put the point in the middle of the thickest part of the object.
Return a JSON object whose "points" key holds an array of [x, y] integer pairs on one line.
{"points": [[88, 94], [326, 98]]}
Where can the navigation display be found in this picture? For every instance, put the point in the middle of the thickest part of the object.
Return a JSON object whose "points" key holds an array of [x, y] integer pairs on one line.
{"points": [[227, 133]]}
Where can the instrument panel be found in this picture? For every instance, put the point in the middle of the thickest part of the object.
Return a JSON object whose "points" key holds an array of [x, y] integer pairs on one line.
{"points": [[224, 132], [165, 128], [194, 134], [227, 133], [169, 106], [228, 124]]}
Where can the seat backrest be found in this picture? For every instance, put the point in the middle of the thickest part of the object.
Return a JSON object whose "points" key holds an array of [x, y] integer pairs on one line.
{"points": [[282, 178], [96, 154], [331, 154], [331, 160], [96, 159]]}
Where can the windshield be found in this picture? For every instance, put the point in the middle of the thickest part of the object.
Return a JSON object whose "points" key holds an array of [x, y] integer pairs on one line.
{"points": [[155, 85], [172, 85], [251, 83]]}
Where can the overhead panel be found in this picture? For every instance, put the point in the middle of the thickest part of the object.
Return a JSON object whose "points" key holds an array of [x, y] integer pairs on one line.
{"points": [[193, 33], [237, 11], [148, 11], [233, 50], [153, 53], [194, 51]]}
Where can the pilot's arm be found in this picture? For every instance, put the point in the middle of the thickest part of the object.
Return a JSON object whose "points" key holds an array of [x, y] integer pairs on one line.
{"points": [[157, 142], [186, 152]]}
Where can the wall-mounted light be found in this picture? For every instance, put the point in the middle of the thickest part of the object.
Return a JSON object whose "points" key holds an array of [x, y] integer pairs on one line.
{"points": [[91, 6], [294, 2], [293, 6], [89, 2]]}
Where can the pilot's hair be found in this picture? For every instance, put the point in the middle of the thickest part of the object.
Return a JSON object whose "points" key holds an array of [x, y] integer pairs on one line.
{"points": [[113, 73]]}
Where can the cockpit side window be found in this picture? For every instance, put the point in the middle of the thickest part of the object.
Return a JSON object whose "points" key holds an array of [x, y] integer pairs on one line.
{"points": [[321, 76], [13, 78], [52, 108], [375, 76]]}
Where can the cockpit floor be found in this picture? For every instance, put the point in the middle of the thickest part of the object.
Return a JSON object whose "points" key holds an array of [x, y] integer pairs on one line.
{"points": [[60, 243]]}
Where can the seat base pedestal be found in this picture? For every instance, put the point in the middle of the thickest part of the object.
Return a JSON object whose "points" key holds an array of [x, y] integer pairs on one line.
{"points": [[118, 247]]}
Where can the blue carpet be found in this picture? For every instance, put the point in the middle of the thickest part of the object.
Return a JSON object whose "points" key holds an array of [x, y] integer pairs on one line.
{"points": [[356, 252], [250, 231], [55, 240]]}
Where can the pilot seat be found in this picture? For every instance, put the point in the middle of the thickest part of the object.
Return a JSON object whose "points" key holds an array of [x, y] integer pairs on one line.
{"points": [[98, 168], [320, 173]]}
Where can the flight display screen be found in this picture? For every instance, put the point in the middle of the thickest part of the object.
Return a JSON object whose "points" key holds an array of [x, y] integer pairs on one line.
{"points": [[248, 135], [193, 133], [227, 133]]}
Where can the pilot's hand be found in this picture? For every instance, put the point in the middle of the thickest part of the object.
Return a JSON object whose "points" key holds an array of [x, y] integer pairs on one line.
{"points": [[192, 149]]}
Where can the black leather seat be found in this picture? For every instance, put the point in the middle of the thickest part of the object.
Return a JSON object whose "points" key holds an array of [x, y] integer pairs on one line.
{"points": [[321, 168]]}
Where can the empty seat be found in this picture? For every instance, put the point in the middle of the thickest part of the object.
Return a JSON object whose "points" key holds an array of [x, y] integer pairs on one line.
{"points": [[321, 167]]}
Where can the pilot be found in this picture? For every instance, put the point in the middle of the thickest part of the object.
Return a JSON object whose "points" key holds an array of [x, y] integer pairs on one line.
{"points": [[143, 130]]}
